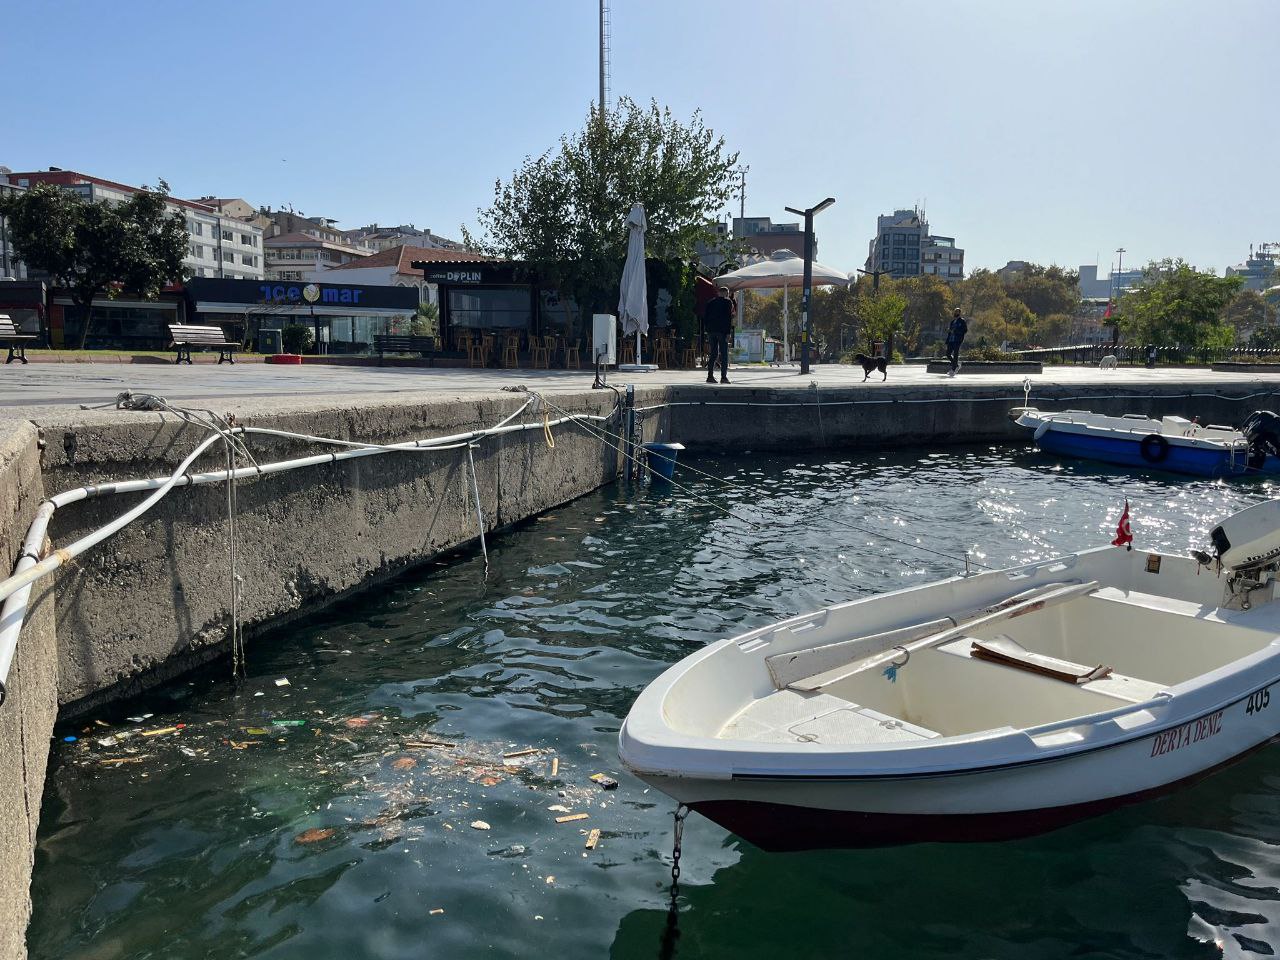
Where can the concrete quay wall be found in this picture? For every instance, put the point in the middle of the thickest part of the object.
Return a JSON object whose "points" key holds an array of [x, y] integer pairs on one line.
{"points": [[155, 600], [30, 705], [795, 418]]}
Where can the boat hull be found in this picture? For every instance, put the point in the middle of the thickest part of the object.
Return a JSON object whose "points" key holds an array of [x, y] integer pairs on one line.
{"points": [[797, 812], [1126, 452], [780, 828]]}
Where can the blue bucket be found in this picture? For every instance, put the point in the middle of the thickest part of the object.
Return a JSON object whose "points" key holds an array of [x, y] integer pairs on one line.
{"points": [[662, 458]]}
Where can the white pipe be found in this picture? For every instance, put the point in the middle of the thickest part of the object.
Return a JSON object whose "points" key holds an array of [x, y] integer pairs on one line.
{"points": [[16, 590]]}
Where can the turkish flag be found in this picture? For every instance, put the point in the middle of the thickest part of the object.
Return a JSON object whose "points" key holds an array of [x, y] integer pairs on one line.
{"points": [[1124, 533], [1107, 315]]}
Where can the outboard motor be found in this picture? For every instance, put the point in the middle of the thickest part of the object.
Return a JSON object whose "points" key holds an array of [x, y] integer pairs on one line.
{"points": [[1246, 545], [1262, 429]]}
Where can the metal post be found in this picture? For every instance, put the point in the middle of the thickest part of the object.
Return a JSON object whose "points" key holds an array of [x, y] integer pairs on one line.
{"points": [[806, 323]]}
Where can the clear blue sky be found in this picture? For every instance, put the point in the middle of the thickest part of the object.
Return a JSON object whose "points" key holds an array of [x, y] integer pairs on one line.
{"points": [[1033, 130]]}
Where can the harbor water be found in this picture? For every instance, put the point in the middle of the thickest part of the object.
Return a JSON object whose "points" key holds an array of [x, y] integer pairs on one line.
{"points": [[387, 780]]}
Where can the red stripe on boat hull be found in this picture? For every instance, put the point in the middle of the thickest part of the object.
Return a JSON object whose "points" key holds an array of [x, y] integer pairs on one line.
{"points": [[778, 827]]}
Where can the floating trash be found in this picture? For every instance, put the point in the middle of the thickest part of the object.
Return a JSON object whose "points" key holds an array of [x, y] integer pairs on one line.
{"points": [[314, 835]]}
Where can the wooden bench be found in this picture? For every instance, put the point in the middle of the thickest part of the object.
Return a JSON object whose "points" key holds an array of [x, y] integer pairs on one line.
{"points": [[405, 343], [16, 341], [186, 336]]}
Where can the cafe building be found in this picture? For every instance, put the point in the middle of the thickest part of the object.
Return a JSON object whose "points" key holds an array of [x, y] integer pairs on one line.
{"points": [[498, 297], [344, 318]]}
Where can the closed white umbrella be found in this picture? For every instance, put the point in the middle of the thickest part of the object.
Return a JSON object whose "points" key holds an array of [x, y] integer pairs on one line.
{"points": [[786, 270], [633, 297]]}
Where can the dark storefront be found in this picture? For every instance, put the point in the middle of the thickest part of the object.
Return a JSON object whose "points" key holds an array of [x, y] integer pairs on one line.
{"points": [[493, 297], [344, 318], [23, 301]]}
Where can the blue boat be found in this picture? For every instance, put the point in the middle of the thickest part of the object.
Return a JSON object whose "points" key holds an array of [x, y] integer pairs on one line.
{"points": [[1172, 444]]}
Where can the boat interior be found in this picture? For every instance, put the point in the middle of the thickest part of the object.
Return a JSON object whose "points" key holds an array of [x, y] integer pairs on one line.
{"points": [[1098, 650]]}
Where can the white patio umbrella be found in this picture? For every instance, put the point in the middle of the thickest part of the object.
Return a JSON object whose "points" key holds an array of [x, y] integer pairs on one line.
{"points": [[786, 270], [633, 297]]}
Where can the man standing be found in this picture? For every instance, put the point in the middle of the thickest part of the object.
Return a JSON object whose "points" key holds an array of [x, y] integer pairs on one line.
{"points": [[718, 322], [955, 336]]}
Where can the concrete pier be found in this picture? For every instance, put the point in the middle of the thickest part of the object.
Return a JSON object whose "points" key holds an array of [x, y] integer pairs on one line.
{"points": [[155, 600]]}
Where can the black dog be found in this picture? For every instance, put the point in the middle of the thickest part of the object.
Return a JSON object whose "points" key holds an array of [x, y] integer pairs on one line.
{"points": [[872, 363]]}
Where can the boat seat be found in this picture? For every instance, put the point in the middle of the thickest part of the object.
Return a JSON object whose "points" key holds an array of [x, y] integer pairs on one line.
{"points": [[1006, 651], [1130, 689], [788, 716]]}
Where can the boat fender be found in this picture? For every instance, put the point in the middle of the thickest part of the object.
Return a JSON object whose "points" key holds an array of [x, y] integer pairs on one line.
{"points": [[1042, 430], [1154, 448]]}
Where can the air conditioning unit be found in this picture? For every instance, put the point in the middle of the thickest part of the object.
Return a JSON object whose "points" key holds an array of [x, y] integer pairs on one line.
{"points": [[604, 339]]}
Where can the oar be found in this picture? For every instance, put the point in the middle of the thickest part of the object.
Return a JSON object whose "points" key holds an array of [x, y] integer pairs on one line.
{"points": [[1006, 611]]}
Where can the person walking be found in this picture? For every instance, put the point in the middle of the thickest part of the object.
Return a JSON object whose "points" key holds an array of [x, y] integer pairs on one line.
{"points": [[955, 336], [718, 322]]}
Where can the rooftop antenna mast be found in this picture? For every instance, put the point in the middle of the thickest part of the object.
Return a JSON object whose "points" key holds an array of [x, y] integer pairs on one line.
{"points": [[604, 56]]}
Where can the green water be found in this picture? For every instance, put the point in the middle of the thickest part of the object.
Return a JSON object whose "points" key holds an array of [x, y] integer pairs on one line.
{"points": [[197, 847]]}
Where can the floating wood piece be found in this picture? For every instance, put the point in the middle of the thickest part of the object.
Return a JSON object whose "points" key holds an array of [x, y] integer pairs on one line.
{"points": [[156, 733], [593, 838], [425, 744], [114, 760], [521, 753], [436, 912], [555, 766], [571, 817]]}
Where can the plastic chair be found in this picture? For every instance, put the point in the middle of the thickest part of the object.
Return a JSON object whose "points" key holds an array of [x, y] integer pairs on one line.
{"points": [[572, 354], [628, 351]]}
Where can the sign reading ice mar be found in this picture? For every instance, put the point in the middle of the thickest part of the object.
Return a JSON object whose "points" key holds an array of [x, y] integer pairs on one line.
{"points": [[312, 293]]}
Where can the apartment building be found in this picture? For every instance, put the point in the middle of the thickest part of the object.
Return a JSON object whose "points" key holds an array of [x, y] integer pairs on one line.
{"points": [[11, 268], [295, 256], [764, 237], [904, 247], [218, 245], [406, 234]]}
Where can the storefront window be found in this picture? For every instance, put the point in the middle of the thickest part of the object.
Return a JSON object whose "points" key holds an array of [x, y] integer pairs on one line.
{"points": [[493, 307]]}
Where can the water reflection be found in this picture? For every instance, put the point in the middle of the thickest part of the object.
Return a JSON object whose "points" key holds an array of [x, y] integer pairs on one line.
{"points": [[289, 821]]}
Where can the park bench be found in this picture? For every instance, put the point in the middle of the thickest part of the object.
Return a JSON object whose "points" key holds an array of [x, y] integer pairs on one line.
{"points": [[14, 339], [404, 343], [186, 336]]}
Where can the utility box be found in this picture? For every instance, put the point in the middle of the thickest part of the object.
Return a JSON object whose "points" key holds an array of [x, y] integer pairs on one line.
{"points": [[270, 341], [604, 339]]}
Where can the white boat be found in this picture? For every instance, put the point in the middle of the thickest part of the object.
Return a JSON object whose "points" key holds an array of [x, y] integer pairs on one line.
{"points": [[977, 708]]}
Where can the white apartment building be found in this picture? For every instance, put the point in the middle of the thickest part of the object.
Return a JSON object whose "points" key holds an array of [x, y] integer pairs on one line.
{"points": [[294, 256], [218, 245], [11, 268]]}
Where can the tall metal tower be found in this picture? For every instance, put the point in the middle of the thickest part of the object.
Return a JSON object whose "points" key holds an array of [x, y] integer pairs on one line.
{"points": [[603, 102]]}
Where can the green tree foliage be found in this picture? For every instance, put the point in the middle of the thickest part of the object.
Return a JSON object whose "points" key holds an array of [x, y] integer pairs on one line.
{"points": [[566, 210], [1045, 290], [99, 248], [296, 338], [929, 305], [426, 321], [1177, 305], [1246, 312], [881, 315]]}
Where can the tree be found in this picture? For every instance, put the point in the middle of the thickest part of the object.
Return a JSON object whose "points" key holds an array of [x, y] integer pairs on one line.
{"points": [[1248, 311], [881, 315], [1045, 290], [928, 311], [1177, 305], [566, 210], [426, 320], [98, 248]]}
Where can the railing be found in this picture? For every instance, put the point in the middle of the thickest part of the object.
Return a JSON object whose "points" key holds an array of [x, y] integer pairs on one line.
{"points": [[1135, 354]]}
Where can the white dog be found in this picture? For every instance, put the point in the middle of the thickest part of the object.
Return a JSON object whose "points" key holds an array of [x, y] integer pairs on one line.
{"points": [[1109, 362]]}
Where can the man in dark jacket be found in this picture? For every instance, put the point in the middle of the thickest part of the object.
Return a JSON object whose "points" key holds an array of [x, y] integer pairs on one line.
{"points": [[955, 336], [718, 322]]}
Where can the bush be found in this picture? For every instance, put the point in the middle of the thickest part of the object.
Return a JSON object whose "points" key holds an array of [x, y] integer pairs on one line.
{"points": [[989, 353], [296, 338]]}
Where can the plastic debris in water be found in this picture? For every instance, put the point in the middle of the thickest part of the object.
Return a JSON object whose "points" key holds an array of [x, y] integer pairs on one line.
{"points": [[69, 739], [605, 783], [479, 825], [314, 835], [282, 682], [288, 723]]}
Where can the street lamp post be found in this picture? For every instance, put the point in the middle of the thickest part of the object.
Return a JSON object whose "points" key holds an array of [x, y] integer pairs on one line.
{"points": [[806, 319]]}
